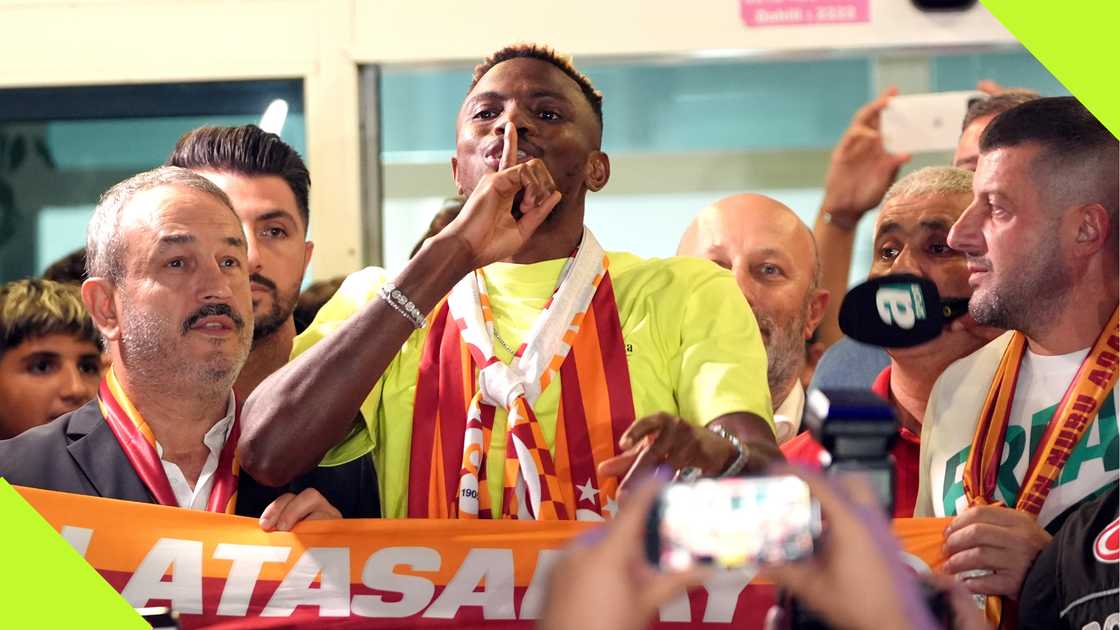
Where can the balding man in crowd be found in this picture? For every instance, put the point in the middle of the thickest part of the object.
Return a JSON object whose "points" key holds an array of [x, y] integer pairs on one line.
{"points": [[910, 237], [169, 292], [774, 260]]}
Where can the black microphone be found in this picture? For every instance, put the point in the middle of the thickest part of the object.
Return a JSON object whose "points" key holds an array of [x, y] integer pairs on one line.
{"points": [[897, 311]]}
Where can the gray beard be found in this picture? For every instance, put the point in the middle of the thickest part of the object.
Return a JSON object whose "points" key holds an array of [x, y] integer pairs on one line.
{"points": [[148, 353], [785, 357]]}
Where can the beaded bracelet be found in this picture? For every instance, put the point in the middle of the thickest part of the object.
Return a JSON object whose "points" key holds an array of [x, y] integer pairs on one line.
{"points": [[743, 453], [401, 304]]}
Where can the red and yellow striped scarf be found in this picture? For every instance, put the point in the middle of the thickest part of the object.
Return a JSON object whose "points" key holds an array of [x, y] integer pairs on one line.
{"points": [[1094, 380], [139, 444], [452, 426]]}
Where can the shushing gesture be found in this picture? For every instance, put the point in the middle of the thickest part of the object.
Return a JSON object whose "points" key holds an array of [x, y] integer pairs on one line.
{"points": [[487, 222]]}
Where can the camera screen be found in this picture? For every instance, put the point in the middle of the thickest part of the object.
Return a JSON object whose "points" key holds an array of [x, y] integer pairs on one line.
{"points": [[733, 523]]}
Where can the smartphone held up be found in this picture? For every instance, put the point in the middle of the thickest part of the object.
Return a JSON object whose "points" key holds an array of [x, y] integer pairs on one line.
{"points": [[732, 523]]}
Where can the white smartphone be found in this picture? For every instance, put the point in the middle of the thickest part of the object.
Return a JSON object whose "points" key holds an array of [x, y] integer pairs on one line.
{"points": [[925, 123], [732, 523]]}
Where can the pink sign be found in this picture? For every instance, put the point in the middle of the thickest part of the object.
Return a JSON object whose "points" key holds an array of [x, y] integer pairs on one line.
{"points": [[790, 12]]}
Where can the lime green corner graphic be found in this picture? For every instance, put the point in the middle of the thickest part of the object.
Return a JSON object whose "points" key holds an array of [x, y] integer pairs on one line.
{"points": [[44, 583], [1076, 41]]}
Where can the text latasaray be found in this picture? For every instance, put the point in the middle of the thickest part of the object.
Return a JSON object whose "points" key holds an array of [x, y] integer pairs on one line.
{"points": [[212, 567]]}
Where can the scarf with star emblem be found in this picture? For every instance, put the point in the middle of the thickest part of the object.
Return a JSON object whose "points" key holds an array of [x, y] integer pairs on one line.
{"points": [[462, 382]]}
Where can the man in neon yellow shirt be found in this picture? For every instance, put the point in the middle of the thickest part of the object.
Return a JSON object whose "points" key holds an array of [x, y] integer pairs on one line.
{"points": [[528, 353]]}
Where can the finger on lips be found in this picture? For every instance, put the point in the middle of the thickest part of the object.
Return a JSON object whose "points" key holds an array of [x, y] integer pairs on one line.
{"points": [[509, 147]]}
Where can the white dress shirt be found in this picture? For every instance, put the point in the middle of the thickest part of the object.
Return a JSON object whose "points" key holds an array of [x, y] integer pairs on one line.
{"points": [[787, 416], [215, 439]]}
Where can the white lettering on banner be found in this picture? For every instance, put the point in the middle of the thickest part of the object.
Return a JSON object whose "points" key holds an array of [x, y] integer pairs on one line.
{"points": [[332, 565], [78, 537], [378, 573], [723, 595], [320, 577], [895, 307], [493, 569], [533, 600], [247, 563], [184, 559], [676, 610]]}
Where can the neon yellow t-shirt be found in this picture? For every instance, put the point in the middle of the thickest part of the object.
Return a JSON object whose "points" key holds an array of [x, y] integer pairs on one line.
{"points": [[692, 345]]}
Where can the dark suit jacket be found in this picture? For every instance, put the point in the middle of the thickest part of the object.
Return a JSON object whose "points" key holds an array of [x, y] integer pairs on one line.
{"points": [[78, 453]]}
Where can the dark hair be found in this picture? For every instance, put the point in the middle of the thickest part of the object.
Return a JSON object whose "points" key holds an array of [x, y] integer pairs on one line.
{"points": [[447, 213], [70, 269], [245, 150], [548, 55], [997, 104], [312, 299], [1070, 137], [33, 308]]}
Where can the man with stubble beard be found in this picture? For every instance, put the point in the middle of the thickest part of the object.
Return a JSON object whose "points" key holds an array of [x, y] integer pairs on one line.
{"points": [[1023, 431], [911, 234], [528, 352], [269, 185], [168, 289]]}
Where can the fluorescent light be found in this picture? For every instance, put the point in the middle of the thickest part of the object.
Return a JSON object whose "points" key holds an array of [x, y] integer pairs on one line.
{"points": [[274, 115]]}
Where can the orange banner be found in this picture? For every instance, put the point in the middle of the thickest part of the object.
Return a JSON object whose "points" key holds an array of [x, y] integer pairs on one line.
{"points": [[221, 569]]}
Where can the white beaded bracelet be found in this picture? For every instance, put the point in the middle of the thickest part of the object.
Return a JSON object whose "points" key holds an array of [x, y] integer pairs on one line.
{"points": [[742, 452], [401, 304]]}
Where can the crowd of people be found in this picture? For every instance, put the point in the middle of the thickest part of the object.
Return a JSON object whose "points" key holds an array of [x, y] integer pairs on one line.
{"points": [[514, 368]]}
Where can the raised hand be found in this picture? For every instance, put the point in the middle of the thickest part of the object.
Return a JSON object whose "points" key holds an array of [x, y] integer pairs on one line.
{"points": [[486, 223], [989, 87], [861, 169]]}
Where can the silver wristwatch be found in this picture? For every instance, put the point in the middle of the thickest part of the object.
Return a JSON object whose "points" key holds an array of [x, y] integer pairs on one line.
{"points": [[740, 460]]}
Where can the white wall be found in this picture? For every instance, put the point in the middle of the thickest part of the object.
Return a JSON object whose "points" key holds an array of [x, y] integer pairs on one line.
{"points": [[75, 42]]}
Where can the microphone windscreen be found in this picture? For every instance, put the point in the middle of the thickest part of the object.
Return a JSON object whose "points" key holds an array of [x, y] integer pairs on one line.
{"points": [[895, 311], [953, 308]]}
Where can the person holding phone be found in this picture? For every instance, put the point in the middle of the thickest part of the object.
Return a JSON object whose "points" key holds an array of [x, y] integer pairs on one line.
{"points": [[860, 172], [855, 577]]}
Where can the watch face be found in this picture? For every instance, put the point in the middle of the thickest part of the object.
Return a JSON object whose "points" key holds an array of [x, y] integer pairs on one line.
{"points": [[943, 5]]}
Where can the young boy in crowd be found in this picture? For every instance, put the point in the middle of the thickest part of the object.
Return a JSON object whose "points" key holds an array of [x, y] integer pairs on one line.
{"points": [[50, 354]]}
